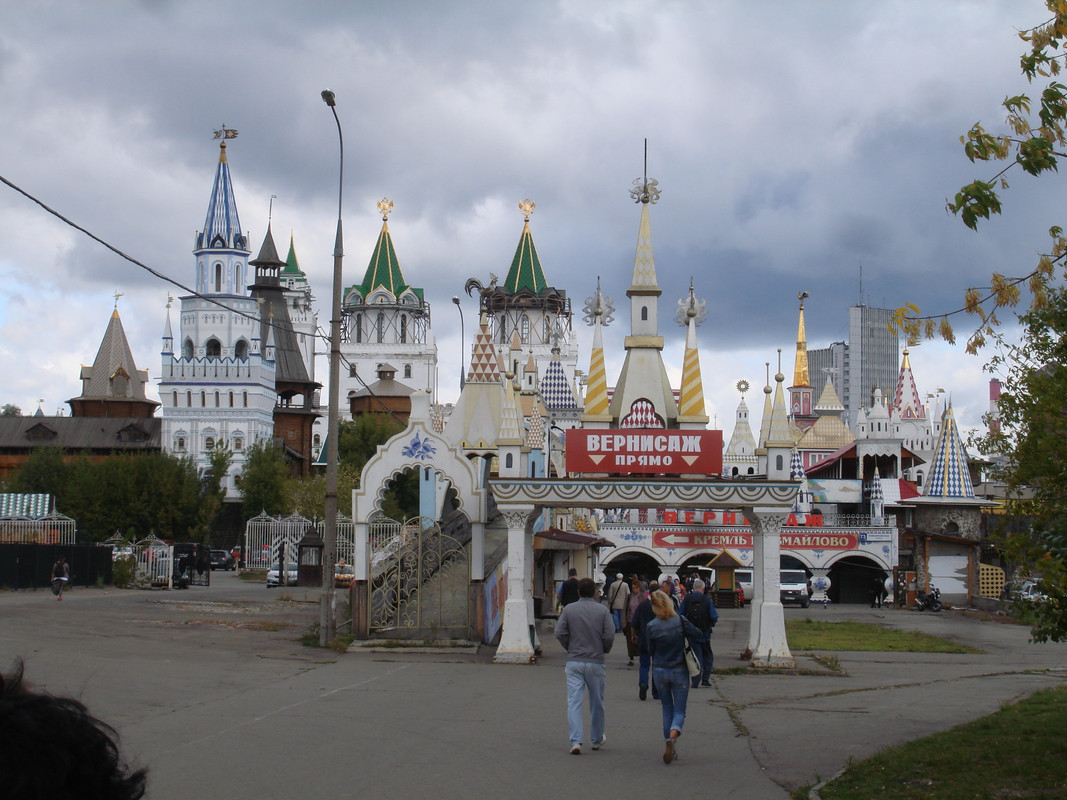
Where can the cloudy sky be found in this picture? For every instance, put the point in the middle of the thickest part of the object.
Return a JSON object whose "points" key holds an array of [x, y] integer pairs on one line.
{"points": [[798, 145]]}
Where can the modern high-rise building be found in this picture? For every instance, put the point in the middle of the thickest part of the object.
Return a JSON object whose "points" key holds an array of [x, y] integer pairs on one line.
{"points": [[868, 361]]}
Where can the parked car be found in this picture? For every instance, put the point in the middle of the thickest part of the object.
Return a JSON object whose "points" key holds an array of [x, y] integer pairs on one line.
{"points": [[743, 579], [794, 587], [220, 559], [1032, 591], [290, 575]]}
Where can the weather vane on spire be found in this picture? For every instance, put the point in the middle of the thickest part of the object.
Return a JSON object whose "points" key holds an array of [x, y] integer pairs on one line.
{"points": [[226, 133], [599, 305], [527, 207], [117, 296], [385, 208], [645, 190], [690, 309]]}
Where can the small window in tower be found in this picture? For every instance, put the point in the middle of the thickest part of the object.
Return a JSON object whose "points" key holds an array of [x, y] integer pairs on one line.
{"points": [[317, 440], [238, 443], [217, 400], [508, 460], [213, 348], [218, 276], [524, 330], [403, 328], [203, 399], [351, 370], [180, 444], [209, 443], [231, 399], [779, 462], [359, 328], [187, 349], [188, 399], [407, 370], [175, 398], [241, 349], [379, 327], [244, 398]]}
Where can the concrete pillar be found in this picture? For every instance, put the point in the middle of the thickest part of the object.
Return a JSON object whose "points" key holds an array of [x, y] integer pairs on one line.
{"points": [[361, 586], [767, 641], [517, 632]]}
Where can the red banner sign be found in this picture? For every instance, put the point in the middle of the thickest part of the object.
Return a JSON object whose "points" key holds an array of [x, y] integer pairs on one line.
{"points": [[742, 540], [656, 451]]}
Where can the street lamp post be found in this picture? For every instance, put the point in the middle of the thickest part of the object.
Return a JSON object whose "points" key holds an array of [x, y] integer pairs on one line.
{"points": [[462, 346], [327, 597]]}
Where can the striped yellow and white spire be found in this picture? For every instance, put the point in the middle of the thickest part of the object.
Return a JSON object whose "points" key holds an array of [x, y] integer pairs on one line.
{"points": [[598, 310], [800, 369], [691, 313]]}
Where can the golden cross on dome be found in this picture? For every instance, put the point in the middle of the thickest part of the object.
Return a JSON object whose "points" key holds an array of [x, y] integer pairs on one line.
{"points": [[117, 296], [385, 206], [526, 207]]}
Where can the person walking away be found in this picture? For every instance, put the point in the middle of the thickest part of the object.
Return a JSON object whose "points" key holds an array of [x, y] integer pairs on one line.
{"points": [[666, 642], [699, 608], [586, 631], [637, 594], [638, 630], [618, 596], [568, 590], [878, 592], [60, 576]]}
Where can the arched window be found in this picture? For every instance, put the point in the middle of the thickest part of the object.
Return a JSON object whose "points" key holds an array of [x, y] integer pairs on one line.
{"points": [[180, 444], [403, 328], [175, 398], [379, 327], [218, 276], [187, 349], [524, 329], [241, 350], [238, 443], [217, 400], [209, 443], [245, 398], [644, 313], [231, 399], [508, 461], [407, 370], [213, 348], [203, 399], [359, 328], [779, 462], [188, 399]]}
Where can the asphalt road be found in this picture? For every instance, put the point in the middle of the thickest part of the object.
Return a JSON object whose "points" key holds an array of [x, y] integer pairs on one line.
{"points": [[211, 689]]}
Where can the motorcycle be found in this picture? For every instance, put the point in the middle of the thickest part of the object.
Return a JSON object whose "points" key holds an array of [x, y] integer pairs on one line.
{"points": [[929, 600]]}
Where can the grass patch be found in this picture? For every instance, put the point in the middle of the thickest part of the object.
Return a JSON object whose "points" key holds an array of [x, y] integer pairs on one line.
{"points": [[809, 634], [1019, 751], [252, 575]]}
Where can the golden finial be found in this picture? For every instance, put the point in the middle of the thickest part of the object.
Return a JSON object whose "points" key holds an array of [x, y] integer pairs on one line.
{"points": [[526, 207], [385, 206], [742, 386]]}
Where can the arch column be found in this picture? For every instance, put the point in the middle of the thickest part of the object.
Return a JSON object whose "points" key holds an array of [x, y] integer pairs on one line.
{"points": [[517, 633], [767, 643]]}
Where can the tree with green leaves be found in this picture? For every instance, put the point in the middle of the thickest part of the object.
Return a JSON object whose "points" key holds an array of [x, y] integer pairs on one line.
{"points": [[1031, 432], [44, 471], [1031, 436], [10, 410], [263, 480]]}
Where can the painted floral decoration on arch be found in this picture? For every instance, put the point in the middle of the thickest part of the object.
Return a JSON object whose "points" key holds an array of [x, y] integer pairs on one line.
{"points": [[422, 449]]}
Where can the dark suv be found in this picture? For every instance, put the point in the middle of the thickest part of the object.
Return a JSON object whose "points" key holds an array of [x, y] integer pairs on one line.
{"points": [[220, 559]]}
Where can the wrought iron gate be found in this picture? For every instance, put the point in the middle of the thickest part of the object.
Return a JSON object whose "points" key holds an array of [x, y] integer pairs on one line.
{"points": [[420, 580]]}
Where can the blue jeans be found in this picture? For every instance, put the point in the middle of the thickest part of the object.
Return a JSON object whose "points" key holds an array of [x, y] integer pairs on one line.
{"points": [[644, 661], [616, 615], [707, 661], [582, 675], [672, 683]]}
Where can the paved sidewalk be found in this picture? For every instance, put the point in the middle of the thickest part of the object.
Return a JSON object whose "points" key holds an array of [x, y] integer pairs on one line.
{"points": [[212, 691]]}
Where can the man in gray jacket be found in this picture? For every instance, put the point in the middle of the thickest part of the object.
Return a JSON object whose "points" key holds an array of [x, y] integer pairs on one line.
{"points": [[587, 630]]}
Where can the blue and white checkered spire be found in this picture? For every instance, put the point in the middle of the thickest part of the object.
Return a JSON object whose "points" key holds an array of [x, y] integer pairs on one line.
{"points": [[948, 473]]}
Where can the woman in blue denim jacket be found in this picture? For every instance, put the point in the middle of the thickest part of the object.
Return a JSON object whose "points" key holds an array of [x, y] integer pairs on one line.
{"points": [[666, 635]]}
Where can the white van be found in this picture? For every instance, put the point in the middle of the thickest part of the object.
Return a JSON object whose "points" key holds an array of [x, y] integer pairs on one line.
{"points": [[743, 578], [794, 585]]}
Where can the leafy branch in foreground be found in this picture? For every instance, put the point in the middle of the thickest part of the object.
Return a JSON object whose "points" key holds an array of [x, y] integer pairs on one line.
{"points": [[1035, 140]]}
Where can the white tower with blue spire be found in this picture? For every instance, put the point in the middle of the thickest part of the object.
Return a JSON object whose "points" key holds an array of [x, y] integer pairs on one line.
{"points": [[218, 378]]}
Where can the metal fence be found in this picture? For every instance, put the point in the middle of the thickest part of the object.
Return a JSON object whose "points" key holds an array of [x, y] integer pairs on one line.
{"points": [[53, 529], [266, 536], [155, 562]]}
